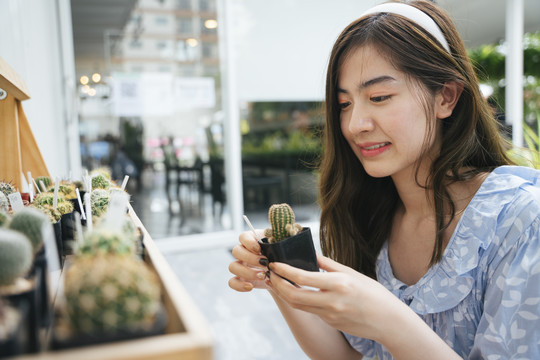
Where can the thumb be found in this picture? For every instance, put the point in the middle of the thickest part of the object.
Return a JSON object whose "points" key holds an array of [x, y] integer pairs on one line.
{"points": [[330, 265]]}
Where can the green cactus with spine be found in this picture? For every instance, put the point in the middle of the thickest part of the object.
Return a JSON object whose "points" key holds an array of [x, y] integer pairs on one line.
{"points": [[99, 200], [4, 203], [31, 222], [48, 198], [16, 256], [100, 181], [110, 293], [7, 188], [104, 170], [103, 240], [45, 180], [67, 190], [282, 222]]}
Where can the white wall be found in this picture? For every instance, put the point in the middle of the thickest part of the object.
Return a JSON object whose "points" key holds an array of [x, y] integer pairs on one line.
{"points": [[33, 44]]}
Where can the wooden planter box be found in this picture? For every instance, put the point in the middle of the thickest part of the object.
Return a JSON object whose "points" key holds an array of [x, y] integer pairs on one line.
{"points": [[187, 336]]}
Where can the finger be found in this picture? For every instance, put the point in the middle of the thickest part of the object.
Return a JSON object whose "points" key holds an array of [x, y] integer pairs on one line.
{"points": [[298, 297], [330, 265], [247, 273], [248, 257], [240, 285], [299, 276], [248, 240]]}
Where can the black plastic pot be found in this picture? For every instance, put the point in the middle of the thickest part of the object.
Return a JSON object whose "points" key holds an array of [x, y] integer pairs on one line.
{"points": [[68, 232], [88, 339], [40, 273], [297, 251], [59, 244], [17, 342], [28, 300]]}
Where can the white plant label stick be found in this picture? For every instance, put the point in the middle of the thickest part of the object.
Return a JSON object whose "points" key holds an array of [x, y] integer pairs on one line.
{"points": [[30, 186], [251, 227], [116, 210], [55, 198], [42, 186], [124, 183], [80, 203], [88, 211], [16, 202]]}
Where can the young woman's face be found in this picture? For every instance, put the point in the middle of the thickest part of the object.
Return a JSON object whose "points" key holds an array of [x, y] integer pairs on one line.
{"points": [[381, 116]]}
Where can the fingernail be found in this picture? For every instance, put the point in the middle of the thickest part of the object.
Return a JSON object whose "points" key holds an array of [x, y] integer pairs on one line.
{"points": [[269, 283], [263, 261], [268, 274], [248, 286], [261, 275]]}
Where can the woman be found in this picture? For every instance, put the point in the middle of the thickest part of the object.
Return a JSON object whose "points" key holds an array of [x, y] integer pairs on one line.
{"points": [[431, 240]]}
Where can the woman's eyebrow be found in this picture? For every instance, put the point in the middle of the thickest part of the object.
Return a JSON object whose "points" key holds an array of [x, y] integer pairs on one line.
{"points": [[371, 82]]}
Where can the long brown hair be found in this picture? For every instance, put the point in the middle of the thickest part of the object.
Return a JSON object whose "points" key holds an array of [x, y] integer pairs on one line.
{"points": [[357, 209]]}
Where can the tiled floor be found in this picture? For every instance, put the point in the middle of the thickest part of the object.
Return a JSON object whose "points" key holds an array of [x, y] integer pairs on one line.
{"points": [[245, 325]]}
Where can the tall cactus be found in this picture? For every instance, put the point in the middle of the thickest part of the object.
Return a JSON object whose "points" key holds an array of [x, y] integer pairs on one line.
{"points": [[15, 256], [281, 218]]}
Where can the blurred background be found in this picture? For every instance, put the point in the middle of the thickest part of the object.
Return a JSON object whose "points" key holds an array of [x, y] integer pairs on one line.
{"points": [[214, 108]]}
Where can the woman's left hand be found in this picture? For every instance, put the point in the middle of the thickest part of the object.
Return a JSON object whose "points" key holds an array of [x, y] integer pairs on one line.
{"points": [[344, 298]]}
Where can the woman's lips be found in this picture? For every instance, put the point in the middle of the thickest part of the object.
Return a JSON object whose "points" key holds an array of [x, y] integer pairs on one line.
{"points": [[373, 149]]}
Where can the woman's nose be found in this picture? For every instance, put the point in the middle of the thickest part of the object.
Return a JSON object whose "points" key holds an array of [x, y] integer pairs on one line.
{"points": [[361, 121]]}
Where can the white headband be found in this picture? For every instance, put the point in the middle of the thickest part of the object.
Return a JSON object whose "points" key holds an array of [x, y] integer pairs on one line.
{"points": [[417, 16]]}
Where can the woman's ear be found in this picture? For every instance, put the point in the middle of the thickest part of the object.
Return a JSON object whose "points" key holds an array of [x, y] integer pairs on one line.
{"points": [[447, 98]]}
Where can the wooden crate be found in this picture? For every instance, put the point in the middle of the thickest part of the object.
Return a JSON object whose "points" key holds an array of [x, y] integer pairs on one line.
{"points": [[187, 336]]}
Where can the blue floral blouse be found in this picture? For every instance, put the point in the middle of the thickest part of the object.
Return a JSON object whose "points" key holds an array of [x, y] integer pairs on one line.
{"points": [[483, 298]]}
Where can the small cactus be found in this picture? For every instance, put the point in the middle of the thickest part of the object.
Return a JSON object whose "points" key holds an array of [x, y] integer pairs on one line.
{"points": [[31, 222], [281, 218], [4, 203], [16, 256], [67, 190], [99, 200], [110, 293], [100, 181], [45, 180], [7, 188], [103, 241]]}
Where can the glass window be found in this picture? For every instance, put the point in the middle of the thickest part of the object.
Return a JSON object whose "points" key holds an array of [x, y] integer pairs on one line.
{"points": [[183, 4], [184, 25]]}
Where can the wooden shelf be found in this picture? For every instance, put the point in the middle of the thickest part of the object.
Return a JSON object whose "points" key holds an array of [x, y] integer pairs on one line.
{"points": [[187, 336]]}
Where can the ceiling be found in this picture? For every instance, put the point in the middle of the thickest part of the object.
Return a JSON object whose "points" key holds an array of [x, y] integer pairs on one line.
{"points": [[91, 19], [479, 22]]}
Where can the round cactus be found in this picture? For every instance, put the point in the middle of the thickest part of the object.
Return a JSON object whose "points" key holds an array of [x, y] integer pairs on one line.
{"points": [[16, 256], [47, 198], [102, 241], [99, 199], [100, 181], [31, 222], [67, 190], [4, 203], [281, 218], [7, 188], [64, 207], [110, 293]]}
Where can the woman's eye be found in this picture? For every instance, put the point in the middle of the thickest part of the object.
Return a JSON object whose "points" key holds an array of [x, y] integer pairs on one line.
{"points": [[344, 105], [382, 98]]}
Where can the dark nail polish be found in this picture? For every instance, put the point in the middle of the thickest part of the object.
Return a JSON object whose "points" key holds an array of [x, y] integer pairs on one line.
{"points": [[268, 274], [263, 261]]}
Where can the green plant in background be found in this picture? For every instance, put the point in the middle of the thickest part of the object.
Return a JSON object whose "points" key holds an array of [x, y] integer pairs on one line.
{"points": [[7, 188], [4, 203], [16, 256], [110, 293], [31, 222], [99, 200], [490, 63], [282, 222], [103, 240]]}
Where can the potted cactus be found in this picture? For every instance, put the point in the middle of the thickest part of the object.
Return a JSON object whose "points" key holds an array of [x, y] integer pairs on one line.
{"points": [[35, 225], [108, 298], [287, 241], [103, 240], [17, 286]]}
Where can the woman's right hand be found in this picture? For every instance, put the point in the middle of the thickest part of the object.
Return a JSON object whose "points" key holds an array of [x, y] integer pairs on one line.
{"points": [[249, 268]]}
